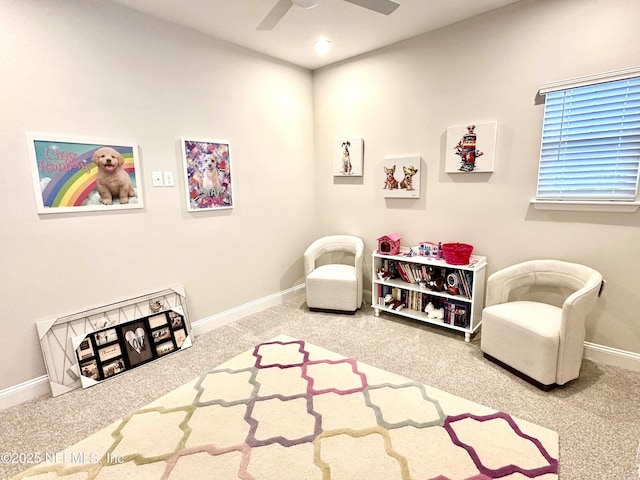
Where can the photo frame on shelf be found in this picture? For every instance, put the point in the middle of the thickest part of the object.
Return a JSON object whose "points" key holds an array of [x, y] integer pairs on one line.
{"points": [[471, 148], [348, 157], [207, 174], [76, 175], [400, 177], [66, 359]]}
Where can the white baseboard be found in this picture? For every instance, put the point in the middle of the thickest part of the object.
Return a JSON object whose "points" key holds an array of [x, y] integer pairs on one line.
{"points": [[24, 392], [233, 314], [612, 356]]}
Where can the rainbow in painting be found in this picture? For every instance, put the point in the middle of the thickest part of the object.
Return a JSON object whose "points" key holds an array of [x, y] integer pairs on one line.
{"points": [[67, 175]]}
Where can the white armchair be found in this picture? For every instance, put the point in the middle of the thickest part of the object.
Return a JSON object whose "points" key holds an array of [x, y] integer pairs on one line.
{"points": [[334, 286], [541, 341]]}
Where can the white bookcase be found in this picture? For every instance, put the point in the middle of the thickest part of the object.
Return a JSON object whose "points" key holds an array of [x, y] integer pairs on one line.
{"points": [[462, 311]]}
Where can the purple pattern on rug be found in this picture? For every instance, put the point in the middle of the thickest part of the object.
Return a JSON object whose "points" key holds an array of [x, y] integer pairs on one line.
{"points": [[259, 357], [475, 477], [552, 467], [354, 368]]}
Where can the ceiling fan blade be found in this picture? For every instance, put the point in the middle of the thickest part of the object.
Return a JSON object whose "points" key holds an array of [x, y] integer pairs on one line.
{"points": [[386, 7], [275, 15]]}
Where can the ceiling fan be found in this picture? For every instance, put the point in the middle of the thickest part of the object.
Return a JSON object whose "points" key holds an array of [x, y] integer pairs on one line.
{"points": [[386, 7]]}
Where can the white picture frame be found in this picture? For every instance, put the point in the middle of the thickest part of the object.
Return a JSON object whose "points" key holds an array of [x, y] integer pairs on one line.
{"points": [[471, 148], [61, 336], [66, 174], [400, 177], [207, 174], [348, 157]]}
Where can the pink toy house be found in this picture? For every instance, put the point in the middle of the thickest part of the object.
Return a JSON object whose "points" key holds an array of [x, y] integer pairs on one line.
{"points": [[389, 244]]}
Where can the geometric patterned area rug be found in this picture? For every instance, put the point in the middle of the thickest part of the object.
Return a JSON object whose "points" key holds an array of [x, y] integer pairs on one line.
{"points": [[289, 410]]}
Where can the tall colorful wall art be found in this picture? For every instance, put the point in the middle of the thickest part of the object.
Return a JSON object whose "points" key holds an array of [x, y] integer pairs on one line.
{"points": [[207, 173]]}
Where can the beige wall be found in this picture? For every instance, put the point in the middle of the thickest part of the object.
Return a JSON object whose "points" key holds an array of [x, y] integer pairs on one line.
{"points": [[401, 101], [96, 69]]}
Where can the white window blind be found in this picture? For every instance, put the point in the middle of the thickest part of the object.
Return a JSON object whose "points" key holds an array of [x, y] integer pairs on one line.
{"points": [[591, 142]]}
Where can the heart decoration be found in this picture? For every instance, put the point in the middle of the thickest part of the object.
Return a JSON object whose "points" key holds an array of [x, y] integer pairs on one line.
{"points": [[133, 340]]}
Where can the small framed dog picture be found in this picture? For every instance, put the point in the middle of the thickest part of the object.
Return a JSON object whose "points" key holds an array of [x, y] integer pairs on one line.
{"points": [[207, 173], [347, 157], [400, 177], [71, 175]]}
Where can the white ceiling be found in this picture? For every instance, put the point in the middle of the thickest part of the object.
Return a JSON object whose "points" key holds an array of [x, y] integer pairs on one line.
{"points": [[352, 29]]}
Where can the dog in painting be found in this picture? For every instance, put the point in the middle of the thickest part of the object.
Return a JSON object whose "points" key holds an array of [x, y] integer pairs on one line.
{"points": [[346, 158], [112, 180], [210, 178], [390, 182], [407, 181]]}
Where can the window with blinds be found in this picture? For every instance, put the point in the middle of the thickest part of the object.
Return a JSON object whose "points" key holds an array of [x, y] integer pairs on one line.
{"points": [[591, 142]]}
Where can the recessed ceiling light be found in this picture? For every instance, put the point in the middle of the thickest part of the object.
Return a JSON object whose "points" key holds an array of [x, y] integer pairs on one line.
{"points": [[306, 3], [322, 45]]}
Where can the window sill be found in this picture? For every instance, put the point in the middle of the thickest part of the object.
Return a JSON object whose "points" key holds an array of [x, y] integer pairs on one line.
{"points": [[585, 206]]}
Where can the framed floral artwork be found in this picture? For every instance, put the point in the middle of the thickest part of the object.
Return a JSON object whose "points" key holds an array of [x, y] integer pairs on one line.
{"points": [[207, 173]]}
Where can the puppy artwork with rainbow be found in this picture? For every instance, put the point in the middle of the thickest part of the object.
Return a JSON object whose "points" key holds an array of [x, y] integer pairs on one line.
{"points": [[72, 176]]}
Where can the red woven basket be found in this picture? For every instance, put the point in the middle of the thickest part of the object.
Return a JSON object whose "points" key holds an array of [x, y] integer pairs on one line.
{"points": [[457, 253]]}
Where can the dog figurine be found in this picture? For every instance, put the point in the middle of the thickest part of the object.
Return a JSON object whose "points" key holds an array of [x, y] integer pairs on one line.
{"points": [[112, 180], [346, 158], [433, 312], [383, 274], [390, 182], [392, 303], [407, 181], [436, 281]]}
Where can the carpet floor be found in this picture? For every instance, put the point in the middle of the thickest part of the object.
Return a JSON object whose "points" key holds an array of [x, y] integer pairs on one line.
{"points": [[596, 416]]}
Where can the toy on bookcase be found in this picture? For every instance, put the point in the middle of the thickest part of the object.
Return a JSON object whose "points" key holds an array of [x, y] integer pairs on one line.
{"points": [[433, 312], [389, 244], [436, 281], [383, 274], [453, 284], [392, 303], [430, 250]]}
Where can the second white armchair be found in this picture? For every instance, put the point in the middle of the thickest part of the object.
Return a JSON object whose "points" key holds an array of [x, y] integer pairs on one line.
{"points": [[542, 341], [333, 272]]}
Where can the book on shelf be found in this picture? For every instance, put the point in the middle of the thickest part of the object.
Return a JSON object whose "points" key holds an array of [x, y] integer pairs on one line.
{"points": [[406, 271], [412, 300], [456, 313]]}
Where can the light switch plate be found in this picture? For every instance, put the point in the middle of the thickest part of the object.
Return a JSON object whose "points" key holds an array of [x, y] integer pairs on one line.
{"points": [[157, 179], [168, 179]]}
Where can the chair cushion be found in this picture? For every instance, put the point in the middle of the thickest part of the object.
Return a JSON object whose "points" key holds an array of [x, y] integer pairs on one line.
{"points": [[525, 335], [336, 272], [333, 287]]}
